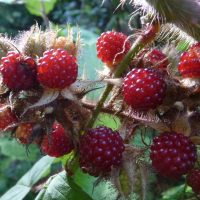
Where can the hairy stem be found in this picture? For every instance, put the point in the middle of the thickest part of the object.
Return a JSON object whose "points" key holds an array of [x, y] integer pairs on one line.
{"points": [[146, 37], [106, 109]]}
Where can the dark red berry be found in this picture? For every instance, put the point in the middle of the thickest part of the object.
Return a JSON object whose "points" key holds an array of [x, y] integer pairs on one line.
{"points": [[7, 117], [101, 150], [18, 71], [151, 58], [189, 65], [193, 180], [144, 89], [57, 69], [58, 142], [173, 154], [112, 47]]}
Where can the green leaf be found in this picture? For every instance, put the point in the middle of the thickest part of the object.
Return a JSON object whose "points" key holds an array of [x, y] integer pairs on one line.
{"points": [[59, 189], [8, 148], [35, 7], [108, 120], [103, 191], [17, 192], [23, 186], [182, 46], [37, 171], [174, 193]]}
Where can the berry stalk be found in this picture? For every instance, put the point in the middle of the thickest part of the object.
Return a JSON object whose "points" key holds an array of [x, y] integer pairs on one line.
{"points": [[145, 38]]}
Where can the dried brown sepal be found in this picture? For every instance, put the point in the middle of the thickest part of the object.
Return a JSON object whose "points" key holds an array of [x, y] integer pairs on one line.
{"points": [[35, 42], [6, 45], [69, 43]]}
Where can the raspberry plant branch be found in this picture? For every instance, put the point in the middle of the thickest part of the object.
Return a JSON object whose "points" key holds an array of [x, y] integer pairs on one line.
{"points": [[147, 36], [107, 110]]}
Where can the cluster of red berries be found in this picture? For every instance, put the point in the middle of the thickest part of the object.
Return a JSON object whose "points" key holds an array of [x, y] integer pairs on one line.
{"points": [[56, 69], [56, 143], [143, 88], [101, 149]]}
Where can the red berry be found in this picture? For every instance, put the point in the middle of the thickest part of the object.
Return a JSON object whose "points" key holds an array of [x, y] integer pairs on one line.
{"points": [[192, 53], [23, 133], [154, 58], [173, 154], [193, 180], [58, 142], [190, 69], [19, 72], [144, 89], [112, 47], [7, 117], [189, 65], [57, 69], [101, 150]]}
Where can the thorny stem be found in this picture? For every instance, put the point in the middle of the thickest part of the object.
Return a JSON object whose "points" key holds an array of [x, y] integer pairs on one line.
{"points": [[107, 110], [140, 43]]}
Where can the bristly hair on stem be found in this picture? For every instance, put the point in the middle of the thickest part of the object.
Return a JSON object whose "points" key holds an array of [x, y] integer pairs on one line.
{"points": [[182, 14]]}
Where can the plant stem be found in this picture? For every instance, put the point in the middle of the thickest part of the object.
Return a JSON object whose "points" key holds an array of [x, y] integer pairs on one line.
{"points": [[99, 105], [140, 43], [136, 47]]}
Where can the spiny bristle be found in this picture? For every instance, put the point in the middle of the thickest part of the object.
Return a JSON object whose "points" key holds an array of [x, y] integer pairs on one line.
{"points": [[6, 45], [182, 13], [172, 33], [143, 117], [35, 41], [77, 41], [172, 54]]}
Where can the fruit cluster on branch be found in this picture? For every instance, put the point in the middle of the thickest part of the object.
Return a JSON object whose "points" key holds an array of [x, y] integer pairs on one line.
{"points": [[41, 103]]}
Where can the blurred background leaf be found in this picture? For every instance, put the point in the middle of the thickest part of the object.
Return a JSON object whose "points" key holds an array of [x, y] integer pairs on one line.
{"points": [[24, 185], [37, 7]]}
